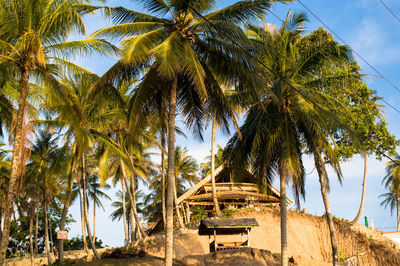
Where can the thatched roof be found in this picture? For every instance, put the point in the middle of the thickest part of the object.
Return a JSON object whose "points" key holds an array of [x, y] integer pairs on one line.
{"points": [[226, 226], [239, 191]]}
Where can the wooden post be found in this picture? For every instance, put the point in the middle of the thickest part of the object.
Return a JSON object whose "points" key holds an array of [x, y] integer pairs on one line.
{"points": [[184, 214], [188, 212], [248, 237], [215, 240]]}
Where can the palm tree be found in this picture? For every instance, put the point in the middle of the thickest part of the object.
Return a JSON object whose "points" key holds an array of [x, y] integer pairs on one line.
{"points": [[119, 207], [186, 174], [80, 112], [391, 199], [219, 160], [392, 183], [48, 161], [283, 120], [32, 36], [95, 193], [185, 170], [181, 46], [220, 114]]}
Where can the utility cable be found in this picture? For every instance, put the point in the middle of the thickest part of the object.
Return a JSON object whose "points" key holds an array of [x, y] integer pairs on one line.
{"points": [[382, 99], [355, 52], [390, 11], [290, 85]]}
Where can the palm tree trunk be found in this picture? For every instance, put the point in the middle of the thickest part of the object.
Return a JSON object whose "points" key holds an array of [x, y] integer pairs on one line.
{"points": [[398, 218], [132, 199], [133, 226], [284, 252], [23, 87], [37, 230], [83, 222], [50, 236], [162, 133], [131, 216], [321, 174], [134, 207], [94, 221], [46, 223], [214, 191], [1, 222], [163, 175], [169, 232], [358, 216], [124, 203], [66, 207], [85, 210], [31, 212]]}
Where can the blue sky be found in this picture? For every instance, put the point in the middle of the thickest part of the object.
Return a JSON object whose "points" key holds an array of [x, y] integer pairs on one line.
{"points": [[371, 31]]}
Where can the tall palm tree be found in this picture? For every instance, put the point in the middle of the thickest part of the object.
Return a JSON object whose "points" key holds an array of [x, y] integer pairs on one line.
{"points": [[391, 182], [181, 45], [283, 120], [186, 169], [32, 36], [95, 193], [80, 112], [48, 161], [220, 114]]}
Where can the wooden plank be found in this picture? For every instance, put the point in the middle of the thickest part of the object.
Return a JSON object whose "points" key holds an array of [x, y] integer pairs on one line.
{"points": [[210, 203], [202, 182], [233, 195]]}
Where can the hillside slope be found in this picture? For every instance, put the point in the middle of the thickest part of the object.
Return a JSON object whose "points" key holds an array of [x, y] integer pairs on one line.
{"points": [[308, 240]]}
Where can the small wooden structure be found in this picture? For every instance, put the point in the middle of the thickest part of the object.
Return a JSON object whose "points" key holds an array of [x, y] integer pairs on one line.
{"points": [[236, 191], [219, 227]]}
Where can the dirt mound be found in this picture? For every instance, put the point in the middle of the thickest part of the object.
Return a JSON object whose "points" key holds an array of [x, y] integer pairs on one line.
{"points": [[308, 242], [244, 257]]}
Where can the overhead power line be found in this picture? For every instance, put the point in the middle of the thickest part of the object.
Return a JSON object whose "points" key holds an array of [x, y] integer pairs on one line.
{"points": [[382, 99], [291, 86], [355, 52], [390, 11]]}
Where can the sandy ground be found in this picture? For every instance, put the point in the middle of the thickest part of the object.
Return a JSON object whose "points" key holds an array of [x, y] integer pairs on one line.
{"points": [[308, 244], [145, 261]]}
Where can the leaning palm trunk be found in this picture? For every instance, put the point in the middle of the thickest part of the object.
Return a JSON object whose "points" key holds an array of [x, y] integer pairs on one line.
{"points": [[214, 191], [94, 221], [46, 223], [124, 204], [31, 212], [83, 222], [85, 210], [284, 252], [23, 86], [132, 222], [134, 208], [169, 232], [132, 200], [321, 174], [358, 216]]}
